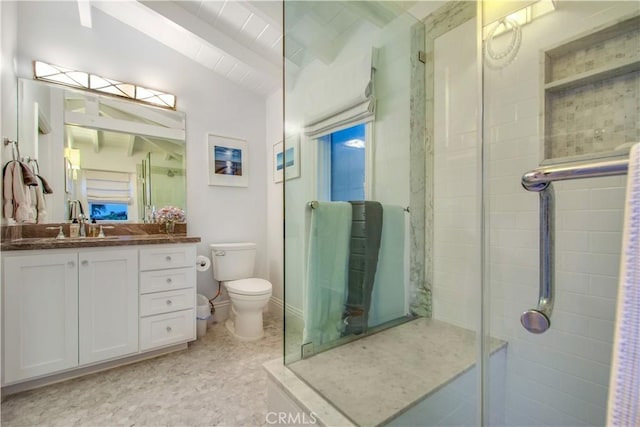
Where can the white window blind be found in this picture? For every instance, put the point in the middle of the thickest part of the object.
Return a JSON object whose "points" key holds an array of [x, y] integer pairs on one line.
{"points": [[351, 86], [107, 187]]}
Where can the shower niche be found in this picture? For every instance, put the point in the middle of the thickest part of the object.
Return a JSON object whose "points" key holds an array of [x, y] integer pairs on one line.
{"points": [[591, 92]]}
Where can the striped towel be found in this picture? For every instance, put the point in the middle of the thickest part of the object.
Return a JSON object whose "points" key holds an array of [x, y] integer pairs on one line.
{"points": [[624, 385]]}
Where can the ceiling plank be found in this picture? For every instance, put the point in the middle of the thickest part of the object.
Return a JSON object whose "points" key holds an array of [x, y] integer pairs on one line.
{"points": [[216, 38]]}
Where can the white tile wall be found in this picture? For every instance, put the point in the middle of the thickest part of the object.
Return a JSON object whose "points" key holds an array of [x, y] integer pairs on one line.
{"points": [[560, 377]]}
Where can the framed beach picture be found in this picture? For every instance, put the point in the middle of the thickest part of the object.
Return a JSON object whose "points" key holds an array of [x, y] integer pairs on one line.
{"points": [[228, 161], [286, 159]]}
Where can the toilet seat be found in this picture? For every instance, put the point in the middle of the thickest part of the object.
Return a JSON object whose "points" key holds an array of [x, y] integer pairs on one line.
{"points": [[252, 286]]}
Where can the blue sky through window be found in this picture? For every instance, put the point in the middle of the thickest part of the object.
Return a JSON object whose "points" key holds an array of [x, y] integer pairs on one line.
{"points": [[348, 164]]}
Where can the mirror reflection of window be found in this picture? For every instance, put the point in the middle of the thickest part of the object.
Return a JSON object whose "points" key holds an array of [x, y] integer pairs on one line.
{"points": [[109, 211], [108, 194]]}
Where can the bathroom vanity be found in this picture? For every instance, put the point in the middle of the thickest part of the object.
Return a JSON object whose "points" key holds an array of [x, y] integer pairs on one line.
{"points": [[74, 306]]}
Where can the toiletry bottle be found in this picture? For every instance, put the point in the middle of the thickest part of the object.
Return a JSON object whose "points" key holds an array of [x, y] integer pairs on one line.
{"points": [[74, 229], [93, 228]]}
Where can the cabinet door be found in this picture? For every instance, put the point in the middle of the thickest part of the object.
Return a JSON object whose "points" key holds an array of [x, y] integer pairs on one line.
{"points": [[40, 314], [108, 299]]}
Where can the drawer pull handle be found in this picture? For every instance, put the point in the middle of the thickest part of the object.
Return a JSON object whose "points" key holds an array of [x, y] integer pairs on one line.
{"points": [[168, 258], [168, 328], [71, 264], [169, 280], [85, 262], [169, 302]]}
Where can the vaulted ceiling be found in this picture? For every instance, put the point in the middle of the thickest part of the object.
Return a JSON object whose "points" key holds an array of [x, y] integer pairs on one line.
{"points": [[244, 40]]}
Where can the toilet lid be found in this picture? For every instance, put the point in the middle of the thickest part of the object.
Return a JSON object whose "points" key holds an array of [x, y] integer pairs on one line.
{"points": [[253, 286]]}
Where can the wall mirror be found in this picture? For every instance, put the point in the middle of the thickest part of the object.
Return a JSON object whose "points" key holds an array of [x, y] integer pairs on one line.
{"points": [[118, 158]]}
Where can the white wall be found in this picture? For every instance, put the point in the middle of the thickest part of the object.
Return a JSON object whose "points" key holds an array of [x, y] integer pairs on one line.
{"points": [[275, 217], [8, 85], [50, 31], [559, 377]]}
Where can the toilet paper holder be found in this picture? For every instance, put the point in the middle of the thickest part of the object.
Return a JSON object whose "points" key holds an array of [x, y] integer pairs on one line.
{"points": [[202, 263]]}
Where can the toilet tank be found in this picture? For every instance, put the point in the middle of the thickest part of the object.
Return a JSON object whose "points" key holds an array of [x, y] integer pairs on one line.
{"points": [[233, 261]]}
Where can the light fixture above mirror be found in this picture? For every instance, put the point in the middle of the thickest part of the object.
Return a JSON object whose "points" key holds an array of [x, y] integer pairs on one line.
{"points": [[88, 81]]}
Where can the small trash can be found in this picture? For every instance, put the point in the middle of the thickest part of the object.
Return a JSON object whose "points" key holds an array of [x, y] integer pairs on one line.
{"points": [[203, 314]]}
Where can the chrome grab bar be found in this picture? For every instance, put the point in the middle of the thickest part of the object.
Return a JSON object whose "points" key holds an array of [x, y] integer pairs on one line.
{"points": [[538, 320], [538, 179]]}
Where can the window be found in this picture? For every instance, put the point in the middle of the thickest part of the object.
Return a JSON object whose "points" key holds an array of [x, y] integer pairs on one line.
{"points": [[345, 164]]}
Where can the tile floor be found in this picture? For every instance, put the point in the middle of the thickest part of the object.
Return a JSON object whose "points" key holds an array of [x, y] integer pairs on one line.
{"points": [[218, 381]]}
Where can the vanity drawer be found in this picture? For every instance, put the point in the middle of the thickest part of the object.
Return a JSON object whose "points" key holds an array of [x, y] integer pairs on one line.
{"points": [[166, 280], [167, 257], [165, 302], [167, 329]]}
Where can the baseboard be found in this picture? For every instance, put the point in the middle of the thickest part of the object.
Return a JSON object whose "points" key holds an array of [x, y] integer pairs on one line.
{"points": [[82, 371], [221, 311], [275, 308], [276, 305]]}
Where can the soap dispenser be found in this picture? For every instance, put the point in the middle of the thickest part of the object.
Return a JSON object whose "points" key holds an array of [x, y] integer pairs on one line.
{"points": [[74, 229]]}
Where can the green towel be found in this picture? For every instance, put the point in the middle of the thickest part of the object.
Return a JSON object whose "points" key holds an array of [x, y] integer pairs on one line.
{"points": [[327, 271], [387, 299]]}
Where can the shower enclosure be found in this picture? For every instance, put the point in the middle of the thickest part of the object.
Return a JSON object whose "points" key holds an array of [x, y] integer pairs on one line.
{"points": [[424, 285]]}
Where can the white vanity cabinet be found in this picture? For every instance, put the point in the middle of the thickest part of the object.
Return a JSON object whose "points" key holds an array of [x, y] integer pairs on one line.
{"points": [[40, 314], [82, 308], [68, 308], [108, 304], [167, 296]]}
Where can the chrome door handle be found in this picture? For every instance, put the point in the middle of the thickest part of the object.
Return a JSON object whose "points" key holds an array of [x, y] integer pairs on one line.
{"points": [[538, 320]]}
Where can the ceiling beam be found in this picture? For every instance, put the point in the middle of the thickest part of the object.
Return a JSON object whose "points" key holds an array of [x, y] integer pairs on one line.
{"points": [[98, 141], [84, 10], [216, 38], [131, 145]]}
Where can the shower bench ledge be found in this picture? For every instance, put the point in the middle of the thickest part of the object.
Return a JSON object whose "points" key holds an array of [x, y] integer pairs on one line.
{"points": [[388, 378]]}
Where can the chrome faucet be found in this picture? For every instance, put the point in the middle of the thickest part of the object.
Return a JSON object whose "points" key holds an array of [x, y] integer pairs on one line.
{"points": [[75, 210]]}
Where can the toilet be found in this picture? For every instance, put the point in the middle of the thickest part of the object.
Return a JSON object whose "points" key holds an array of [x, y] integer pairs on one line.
{"points": [[233, 265]]}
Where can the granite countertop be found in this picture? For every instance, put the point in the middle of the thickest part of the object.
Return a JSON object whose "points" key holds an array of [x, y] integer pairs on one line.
{"points": [[42, 236], [34, 243]]}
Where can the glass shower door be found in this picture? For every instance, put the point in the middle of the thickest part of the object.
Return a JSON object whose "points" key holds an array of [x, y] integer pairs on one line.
{"points": [[559, 91]]}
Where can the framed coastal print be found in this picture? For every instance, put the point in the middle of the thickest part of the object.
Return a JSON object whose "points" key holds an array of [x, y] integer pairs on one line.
{"points": [[228, 161], [286, 159]]}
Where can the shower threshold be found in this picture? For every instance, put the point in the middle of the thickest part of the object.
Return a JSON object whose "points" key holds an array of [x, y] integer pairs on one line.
{"points": [[391, 377]]}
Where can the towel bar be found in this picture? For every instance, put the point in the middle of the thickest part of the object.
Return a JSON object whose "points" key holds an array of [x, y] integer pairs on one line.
{"points": [[314, 204], [538, 320]]}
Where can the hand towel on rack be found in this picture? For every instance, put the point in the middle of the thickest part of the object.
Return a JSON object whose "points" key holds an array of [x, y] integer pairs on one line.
{"points": [[388, 297], [326, 271], [366, 229], [28, 177], [46, 188], [40, 205], [623, 407], [16, 195]]}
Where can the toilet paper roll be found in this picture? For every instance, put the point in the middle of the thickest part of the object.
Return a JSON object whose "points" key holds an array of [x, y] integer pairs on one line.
{"points": [[202, 263]]}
